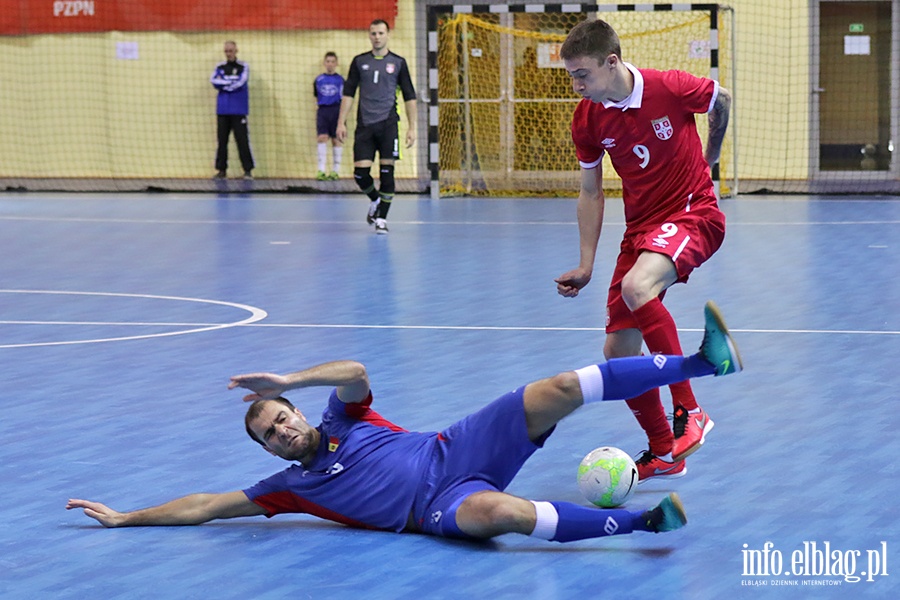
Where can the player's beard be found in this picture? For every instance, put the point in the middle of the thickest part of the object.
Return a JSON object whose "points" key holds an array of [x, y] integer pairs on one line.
{"points": [[301, 447]]}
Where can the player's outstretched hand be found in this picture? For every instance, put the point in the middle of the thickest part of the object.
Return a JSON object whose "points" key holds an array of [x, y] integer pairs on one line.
{"points": [[568, 284], [102, 513], [266, 386]]}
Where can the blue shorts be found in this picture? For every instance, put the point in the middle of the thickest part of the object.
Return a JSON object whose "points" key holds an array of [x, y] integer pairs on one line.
{"points": [[483, 451], [327, 120]]}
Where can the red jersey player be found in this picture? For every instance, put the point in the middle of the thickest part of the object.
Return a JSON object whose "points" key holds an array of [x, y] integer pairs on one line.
{"points": [[644, 119]]}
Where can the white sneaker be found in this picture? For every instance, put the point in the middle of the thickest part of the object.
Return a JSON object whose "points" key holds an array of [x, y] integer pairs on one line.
{"points": [[380, 226], [373, 207]]}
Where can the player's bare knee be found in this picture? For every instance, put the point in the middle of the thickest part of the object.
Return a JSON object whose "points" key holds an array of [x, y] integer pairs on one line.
{"points": [[487, 514], [635, 290], [501, 513], [567, 389], [509, 518]]}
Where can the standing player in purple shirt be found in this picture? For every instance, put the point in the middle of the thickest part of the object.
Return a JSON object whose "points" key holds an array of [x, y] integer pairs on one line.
{"points": [[328, 88], [359, 469]]}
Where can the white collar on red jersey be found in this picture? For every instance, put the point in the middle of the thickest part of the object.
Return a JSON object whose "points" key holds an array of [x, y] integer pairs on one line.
{"points": [[637, 93]]}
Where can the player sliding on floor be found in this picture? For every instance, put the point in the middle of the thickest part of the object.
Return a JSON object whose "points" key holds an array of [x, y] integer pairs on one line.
{"points": [[359, 469]]}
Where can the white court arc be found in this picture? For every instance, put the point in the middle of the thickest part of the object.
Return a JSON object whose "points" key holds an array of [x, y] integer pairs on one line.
{"points": [[256, 314]]}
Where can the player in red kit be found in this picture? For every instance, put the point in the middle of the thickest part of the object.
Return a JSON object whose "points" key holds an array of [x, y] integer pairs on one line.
{"points": [[644, 120]]}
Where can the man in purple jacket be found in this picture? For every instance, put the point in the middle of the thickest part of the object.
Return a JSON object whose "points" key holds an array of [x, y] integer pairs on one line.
{"points": [[232, 107]]}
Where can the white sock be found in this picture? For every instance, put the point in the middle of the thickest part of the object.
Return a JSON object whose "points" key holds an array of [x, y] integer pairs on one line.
{"points": [[546, 522], [591, 380], [336, 154], [322, 148]]}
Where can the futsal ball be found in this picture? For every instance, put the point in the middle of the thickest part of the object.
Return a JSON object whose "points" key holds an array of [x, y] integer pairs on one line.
{"points": [[607, 477]]}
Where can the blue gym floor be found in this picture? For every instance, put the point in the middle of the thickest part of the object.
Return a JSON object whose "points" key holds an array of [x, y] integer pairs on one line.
{"points": [[122, 317]]}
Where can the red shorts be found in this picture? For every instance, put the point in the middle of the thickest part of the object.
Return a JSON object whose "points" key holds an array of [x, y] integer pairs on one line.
{"points": [[689, 238]]}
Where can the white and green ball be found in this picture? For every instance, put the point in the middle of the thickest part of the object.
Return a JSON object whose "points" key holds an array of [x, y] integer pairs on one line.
{"points": [[607, 477]]}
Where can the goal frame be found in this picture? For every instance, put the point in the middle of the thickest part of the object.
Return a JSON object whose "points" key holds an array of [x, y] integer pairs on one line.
{"points": [[434, 12]]}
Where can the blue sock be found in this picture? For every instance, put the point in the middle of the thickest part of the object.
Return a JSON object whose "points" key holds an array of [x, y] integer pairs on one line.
{"points": [[632, 376], [578, 522]]}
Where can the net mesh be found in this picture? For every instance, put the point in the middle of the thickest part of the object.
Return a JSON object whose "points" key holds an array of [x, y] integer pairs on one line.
{"points": [[506, 102], [116, 95]]}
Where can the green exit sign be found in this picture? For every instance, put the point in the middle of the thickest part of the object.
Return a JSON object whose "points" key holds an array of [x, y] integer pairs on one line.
{"points": [[856, 27]]}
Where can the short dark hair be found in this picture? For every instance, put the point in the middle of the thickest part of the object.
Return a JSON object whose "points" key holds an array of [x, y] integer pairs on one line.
{"points": [[380, 22], [330, 53], [254, 411], [596, 39]]}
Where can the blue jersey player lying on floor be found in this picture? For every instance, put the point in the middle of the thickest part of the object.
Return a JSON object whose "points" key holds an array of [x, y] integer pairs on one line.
{"points": [[359, 469]]}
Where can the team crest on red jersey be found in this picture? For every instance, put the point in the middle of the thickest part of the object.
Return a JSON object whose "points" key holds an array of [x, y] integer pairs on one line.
{"points": [[663, 128], [389, 67]]}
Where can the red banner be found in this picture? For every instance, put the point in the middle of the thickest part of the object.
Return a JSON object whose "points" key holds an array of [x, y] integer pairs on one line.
{"points": [[27, 17]]}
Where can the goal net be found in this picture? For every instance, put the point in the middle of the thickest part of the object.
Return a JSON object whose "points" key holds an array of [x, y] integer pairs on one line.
{"points": [[500, 118], [116, 95]]}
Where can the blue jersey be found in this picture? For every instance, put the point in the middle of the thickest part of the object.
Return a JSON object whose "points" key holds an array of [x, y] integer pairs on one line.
{"points": [[328, 89], [365, 473], [230, 78]]}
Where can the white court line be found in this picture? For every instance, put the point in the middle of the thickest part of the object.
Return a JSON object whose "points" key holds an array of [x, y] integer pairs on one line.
{"points": [[206, 326], [401, 222], [528, 328], [256, 314], [278, 222], [435, 222]]}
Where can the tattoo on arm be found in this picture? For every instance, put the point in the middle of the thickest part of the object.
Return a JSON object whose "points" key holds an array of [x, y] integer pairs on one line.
{"points": [[718, 123]]}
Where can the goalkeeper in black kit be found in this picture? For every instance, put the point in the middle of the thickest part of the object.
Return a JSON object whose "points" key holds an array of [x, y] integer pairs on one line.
{"points": [[378, 74]]}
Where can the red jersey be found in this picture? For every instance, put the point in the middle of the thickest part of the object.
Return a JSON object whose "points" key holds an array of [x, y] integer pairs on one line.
{"points": [[652, 141]]}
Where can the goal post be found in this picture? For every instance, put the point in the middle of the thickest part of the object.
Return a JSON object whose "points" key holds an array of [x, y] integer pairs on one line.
{"points": [[501, 102]]}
